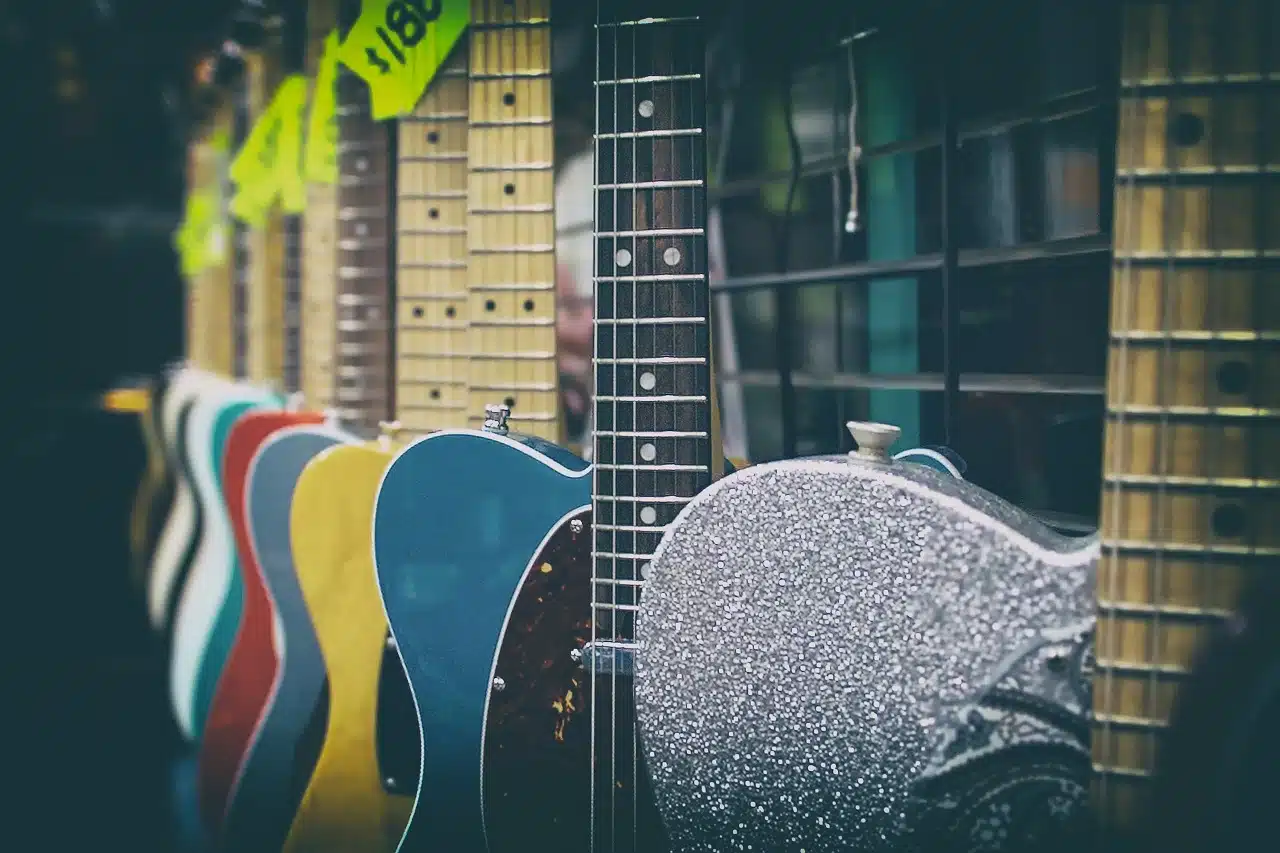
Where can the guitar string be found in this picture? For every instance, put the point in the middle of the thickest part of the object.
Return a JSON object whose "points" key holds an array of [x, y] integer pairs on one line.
{"points": [[1128, 113]]}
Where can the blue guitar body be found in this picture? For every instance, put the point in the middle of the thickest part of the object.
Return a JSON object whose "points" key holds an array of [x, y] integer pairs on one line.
{"points": [[266, 793], [459, 519]]}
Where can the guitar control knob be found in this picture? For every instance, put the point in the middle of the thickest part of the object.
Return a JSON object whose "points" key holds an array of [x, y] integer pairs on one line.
{"points": [[874, 440], [495, 419]]}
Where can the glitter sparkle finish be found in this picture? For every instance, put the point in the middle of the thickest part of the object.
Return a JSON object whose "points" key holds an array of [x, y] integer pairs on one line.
{"points": [[814, 636]]}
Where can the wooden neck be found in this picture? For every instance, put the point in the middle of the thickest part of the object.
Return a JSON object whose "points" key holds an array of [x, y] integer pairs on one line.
{"points": [[653, 379], [1191, 494], [319, 259], [265, 303], [363, 342], [511, 219], [431, 255], [246, 106]]}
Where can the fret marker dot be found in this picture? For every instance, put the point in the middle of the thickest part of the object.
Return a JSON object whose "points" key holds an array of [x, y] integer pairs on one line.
{"points": [[645, 108], [648, 452], [489, 305], [644, 570], [417, 311], [648, 381], [509, 189], [433, 213], [432, 137], [528, 305], [623, 258], [362, 164], [1233, 377], [1186, 129], [1228, 521], [435, 393], [671, 256], [450, 311], [361, 229], [510, 402], [648, 515], [509, 98]]}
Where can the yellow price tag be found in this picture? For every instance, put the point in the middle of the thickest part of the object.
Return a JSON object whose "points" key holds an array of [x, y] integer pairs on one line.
{"points": [[290, 103], [320, 160], [396, 46]]}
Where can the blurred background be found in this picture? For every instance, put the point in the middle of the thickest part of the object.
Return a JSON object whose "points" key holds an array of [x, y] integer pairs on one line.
{"points": [[969, 308]]}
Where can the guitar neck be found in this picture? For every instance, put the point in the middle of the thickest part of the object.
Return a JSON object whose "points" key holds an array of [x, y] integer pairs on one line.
{"points": [[1191, 494], [431, 255], [363, 339], [199, 173], [244, 109], [319, 262], [265, 303], [291, 328], [510, 218], [653, 383]]}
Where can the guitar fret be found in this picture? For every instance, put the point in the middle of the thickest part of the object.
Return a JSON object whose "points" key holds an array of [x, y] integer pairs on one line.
{"points": [[626, 528], [653, 232], [651, 185], [434, 158], [652, 321], [533, 249], [515, 122], [512, 167], [693, 468], [651, 78], [502, 286], [527, 355], [659, 499], [511, 75], [1176, 483], [432, 194], [651, 134], [1194, 412], [658, 360], [515, 323], [647, 22], [1196, 336], [515, 208]]}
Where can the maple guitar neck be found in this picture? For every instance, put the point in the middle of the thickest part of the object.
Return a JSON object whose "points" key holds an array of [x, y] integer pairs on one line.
{"points": [[1191, 494], [510, 218], [319, 259], [362, 364], [431, 255], [264, 299]]}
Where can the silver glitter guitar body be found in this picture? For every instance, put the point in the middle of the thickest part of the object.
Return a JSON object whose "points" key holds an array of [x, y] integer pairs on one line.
{"points": [[859, 654]]}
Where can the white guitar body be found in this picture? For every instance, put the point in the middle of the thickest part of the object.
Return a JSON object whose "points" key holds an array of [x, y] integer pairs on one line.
{"points": [[207, 583], [180, 525]]}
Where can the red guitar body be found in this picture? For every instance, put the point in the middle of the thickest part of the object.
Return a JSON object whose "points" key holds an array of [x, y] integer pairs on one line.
{"points": [[245, 683]]}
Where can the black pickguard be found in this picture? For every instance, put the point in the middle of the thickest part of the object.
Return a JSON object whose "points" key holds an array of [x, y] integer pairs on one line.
{"points": [[537, 755]]}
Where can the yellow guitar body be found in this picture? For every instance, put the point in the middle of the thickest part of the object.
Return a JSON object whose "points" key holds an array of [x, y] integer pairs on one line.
{"points": [[345, 808], [140, 520]]}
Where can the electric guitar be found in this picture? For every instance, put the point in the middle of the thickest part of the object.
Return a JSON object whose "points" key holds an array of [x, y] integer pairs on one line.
{"points": [[504, 522], [1185, 712], [349, 801], [154, 498]]}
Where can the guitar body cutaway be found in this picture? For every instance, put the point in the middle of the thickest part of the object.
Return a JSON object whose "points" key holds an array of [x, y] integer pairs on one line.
{"points": [[245, 680], [265, 793], [345, 806], [461, 520]]}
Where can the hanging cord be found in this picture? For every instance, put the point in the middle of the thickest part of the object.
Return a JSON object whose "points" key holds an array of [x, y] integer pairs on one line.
{"points": [[853, 220], [785, 293]]}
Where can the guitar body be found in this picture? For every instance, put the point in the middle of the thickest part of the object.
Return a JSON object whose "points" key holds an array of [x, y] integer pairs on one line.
{"points": [[183, 524], [208, 611], [465, 527], [943, 635], [152, 501], [345, 806], [250, 668], [266, 793]]}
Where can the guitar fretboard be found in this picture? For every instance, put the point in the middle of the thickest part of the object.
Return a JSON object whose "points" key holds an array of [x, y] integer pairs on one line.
{"points": [[266, 260], [1191, 496], [431, 255], [319, 259], [652, 447], [363, 340], [244, 110], [511, 220], [653, 413], [291, 367]]}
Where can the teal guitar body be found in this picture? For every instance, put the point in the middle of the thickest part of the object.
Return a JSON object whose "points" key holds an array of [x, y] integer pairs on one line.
{"points": [[459, 521]]}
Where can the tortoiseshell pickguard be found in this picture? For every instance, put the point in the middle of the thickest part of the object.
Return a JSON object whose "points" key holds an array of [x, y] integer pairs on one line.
{"points": [[537, 753], [537, 749]]}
